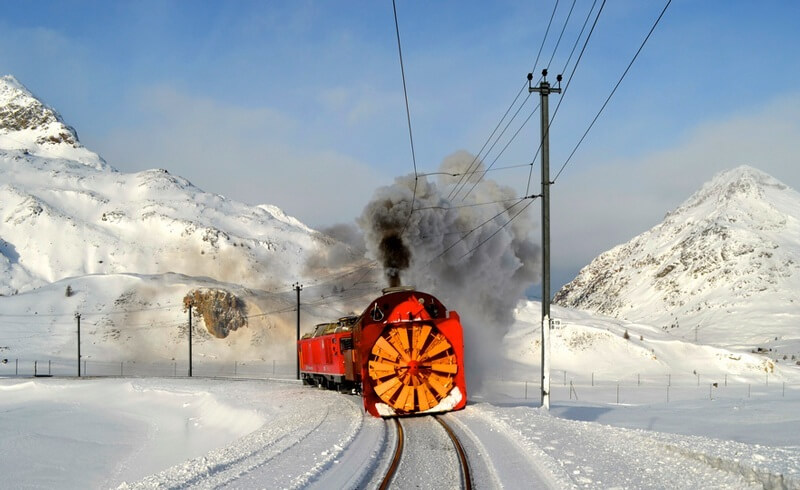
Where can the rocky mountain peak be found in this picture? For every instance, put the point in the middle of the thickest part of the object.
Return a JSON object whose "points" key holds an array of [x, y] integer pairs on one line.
{"points": [[20, 110], [740, 184], [731, 246], [29, 125]]}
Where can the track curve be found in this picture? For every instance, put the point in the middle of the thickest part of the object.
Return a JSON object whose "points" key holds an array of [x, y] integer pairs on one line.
{"points": [[398, 453], [462, 455]]}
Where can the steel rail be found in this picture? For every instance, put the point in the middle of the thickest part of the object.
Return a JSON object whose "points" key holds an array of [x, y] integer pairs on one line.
{"points": [[398, 453], [462, 455]]}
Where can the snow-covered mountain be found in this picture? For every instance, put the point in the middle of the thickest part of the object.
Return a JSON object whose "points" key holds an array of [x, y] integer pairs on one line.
{"points": [[722, 269], [65, 212], [29, 125], [120, 240]]}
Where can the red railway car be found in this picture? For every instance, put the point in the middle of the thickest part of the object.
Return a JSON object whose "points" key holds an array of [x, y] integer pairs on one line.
{"points": [[404, 354], [326, 354]]}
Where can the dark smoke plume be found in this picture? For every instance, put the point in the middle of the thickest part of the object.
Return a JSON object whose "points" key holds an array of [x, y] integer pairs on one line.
{"points": [[395, 257], [436, 249]]}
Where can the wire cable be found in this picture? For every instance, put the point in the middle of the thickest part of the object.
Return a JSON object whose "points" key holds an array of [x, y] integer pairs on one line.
{"points": [[580, 34], [478, 181], [447, 208], [478, 227], [497, 140], [453, 193], [408, 116], [469, 168], [549, 24], [476, 247], [538, 150], [456, 174], [558, 42], [566, 87], [613, 91]]}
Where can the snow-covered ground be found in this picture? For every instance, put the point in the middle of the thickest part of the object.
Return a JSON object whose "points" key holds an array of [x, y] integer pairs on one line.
{"points": [[647, 411], [178, 433]]}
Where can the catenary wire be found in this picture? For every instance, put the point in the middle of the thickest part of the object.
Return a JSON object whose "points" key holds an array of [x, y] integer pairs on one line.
{"points": [[473, 230], [546, 32], [561, 35], [475, 184], [655, 24], [566, 87], [408, 116], [580, 35], [476, 247], [499, 123], [454, 192], [552, 56], [456, 174], [497, 140], [447, 208], [586, 42]]}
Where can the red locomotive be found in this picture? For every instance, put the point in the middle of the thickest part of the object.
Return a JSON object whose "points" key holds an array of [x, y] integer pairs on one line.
{"points": [[404, 353]]}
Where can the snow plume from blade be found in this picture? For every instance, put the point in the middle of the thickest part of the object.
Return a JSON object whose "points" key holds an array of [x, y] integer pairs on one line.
{"points": [[466, 252]]}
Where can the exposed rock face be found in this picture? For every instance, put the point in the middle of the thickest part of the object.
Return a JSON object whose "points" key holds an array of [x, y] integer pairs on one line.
{"points": [[732, 245], [29, 125], [20, 111], [222, 311]]}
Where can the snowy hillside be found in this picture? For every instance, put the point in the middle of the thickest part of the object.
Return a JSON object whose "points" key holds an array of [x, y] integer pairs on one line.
{"points": [[584, 342], [65, 212], [722, 269], [130, 242]]}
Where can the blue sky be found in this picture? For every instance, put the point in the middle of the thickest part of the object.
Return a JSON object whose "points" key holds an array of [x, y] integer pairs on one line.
{"points": [[300, 103]]}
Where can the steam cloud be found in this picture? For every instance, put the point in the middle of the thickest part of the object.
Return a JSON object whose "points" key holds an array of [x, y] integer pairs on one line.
{"points": [[436, 249]]}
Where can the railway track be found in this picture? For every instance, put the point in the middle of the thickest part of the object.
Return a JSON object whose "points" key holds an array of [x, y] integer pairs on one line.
{"points": [[425, 450]]}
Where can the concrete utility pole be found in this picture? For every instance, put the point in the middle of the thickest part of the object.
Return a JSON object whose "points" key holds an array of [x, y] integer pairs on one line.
{"points": [[78, 318], [190, 339], [545, 90], [298, 287]]}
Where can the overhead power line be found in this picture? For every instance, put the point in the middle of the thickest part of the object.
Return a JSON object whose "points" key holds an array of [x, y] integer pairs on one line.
{"points": [[578, 39], [461, 183], [552, 56], [561, 35], [476, 228], [566, 86], [574, 69], [476, 204], [613, 91], [546, 32], [513, 137], [476, 247], [495, 169], [477, 156], [408, 115]]}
